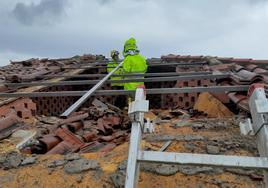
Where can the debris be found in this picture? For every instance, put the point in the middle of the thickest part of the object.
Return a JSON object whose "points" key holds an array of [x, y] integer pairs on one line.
{"points": [[159, 121], [62, 148], [211, 124], [75, 126], [26, 138], [165, 115], [100, 105], [11, 160], [92, 147], [114, 108], [108, 147], [149, 167], [198, 126], [123, 165], [161, 169], [179, 112], [56, 163], [72, 156], [162, 138], [49, 141], [257, 177], [73, 119], [192, 170], [159, 138], [213, 149], [190, 147], [194, 138], [70, 141], [181, 123], [101, 127], [167, 169], [88, 124], [23, 108], [89, 136], [245, 172], [8, 125], [165, 146], [80, 165], [211, 106], [28, 161], [48, 119], [118, 179]]}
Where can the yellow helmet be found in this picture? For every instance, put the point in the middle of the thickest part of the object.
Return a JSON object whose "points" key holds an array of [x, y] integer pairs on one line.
{"points": [[114, 53]]}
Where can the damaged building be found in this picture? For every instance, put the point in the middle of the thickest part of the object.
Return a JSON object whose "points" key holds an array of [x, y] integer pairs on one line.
{"points": [[198, 130]]}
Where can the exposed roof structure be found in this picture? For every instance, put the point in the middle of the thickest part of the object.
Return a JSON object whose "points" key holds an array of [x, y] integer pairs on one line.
{"points": [[186, 94]]}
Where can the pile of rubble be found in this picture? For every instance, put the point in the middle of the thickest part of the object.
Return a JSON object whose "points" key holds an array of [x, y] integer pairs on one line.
{"points": [[35, 69], [97, 128], [183, 132]]}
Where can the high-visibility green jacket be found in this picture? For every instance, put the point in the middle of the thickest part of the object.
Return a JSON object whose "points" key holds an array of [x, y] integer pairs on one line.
{"points": [[134, 64], [111, 65]]}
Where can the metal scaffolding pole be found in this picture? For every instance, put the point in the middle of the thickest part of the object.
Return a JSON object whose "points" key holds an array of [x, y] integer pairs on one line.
{"points": [[162, 74], [88, 82], [149, 65], [78, 103], [215, 89]]}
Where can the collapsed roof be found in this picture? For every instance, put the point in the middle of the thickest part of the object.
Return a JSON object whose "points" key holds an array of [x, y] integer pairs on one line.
{"points": [[36, 91]]}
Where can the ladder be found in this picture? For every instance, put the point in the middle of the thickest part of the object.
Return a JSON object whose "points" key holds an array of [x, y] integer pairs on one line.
{"points": [[136, 155]]}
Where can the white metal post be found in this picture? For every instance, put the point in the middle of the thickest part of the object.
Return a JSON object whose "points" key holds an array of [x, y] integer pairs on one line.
{"points": [[132, 173], [258, 104], [136, 112]]}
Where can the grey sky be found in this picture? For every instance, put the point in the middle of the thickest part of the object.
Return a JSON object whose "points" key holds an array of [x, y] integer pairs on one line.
{"points": [[63, 28]]}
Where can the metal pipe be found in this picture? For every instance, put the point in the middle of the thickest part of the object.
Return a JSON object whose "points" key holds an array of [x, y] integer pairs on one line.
{"points": [[95, 66], [149, 65], [78, 103], [87, 82], [128, 75], [215, 89]]}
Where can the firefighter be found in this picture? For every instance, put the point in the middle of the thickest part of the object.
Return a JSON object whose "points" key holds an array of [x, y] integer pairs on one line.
{"points": [[116, 86], [112, 64], [133, 63]]}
